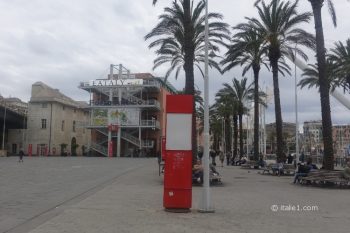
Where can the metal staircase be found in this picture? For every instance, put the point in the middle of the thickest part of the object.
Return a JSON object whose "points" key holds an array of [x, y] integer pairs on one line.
{"points": [[98, 147]]}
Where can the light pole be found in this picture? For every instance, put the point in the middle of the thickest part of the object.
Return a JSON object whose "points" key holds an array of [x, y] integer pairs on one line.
{"points": [[296, 111], [205, 204], [3, 129]]}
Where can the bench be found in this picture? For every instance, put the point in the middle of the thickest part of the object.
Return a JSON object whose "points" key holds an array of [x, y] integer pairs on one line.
{"points": [[286, 169], [161, 167], [323, 177], [267, 169], [249, 164], [215, 178]]}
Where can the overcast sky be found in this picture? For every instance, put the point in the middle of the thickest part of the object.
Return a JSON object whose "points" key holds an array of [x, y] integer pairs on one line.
{"points": [[62, 43]]}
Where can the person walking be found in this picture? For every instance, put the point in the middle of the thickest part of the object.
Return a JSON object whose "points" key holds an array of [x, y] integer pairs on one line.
{"points": [[21, 154], [212, 154], [228, 158], [222, 158]]}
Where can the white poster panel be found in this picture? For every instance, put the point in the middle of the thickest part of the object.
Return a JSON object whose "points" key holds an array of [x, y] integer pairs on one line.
{"points": [[178, 131], [123, 116]]}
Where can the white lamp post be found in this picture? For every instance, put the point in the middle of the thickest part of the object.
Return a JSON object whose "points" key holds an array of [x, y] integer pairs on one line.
{"points": [[3, 128], [296, 112], [205, 204]]}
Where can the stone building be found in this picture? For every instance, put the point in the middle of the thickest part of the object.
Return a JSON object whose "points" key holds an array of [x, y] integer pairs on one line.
{"points": [[55, 123], [288, 137], [13, 120], [313, 139], [341, 140]]}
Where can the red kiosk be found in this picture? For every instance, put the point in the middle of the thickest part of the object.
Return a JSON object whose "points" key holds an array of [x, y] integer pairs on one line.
{"points": [[178, 153]]}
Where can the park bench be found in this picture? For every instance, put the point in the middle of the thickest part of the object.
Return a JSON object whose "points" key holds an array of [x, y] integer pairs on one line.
{"points": [[161, 164], [323, 177], [288, 169], [273, 168], [215, 178], [267, 169], [249, 164]]}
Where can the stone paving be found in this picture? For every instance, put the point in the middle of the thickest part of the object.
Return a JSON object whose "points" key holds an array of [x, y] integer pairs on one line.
{"points": [[131, 201]]}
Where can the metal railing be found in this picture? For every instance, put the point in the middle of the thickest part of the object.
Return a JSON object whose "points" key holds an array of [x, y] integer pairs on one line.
{"points": [[151, 123], [130, 138], [99, 148]]}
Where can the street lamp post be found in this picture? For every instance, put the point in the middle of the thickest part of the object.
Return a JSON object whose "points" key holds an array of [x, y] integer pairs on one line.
{"points": [[205, 204], [3, 129], [296, 111]]}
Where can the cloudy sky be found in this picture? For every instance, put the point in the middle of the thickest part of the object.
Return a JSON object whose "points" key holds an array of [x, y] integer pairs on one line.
{"points": [[62, 43]]}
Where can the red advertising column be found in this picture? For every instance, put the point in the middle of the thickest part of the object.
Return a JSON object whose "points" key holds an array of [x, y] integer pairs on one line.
{"points": [[178, 156]]}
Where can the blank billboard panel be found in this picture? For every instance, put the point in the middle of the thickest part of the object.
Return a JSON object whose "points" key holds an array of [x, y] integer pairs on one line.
{"points": [[178, 131]]}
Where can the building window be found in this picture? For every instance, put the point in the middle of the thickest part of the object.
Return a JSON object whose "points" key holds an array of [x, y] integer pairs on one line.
{"points": [[43, 123], [44, 105], [73, 126], [62, 126]]}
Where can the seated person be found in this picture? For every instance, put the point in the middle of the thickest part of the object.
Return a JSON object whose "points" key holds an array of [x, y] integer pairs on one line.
{"points": [[241, 161], [277, 168], [197, 171], [346, 172], [303, 170], [261, 162]]}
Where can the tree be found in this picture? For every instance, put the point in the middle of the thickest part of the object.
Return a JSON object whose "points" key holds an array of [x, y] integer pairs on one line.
{"points": [[324, 86], [246, 49], [278, 23], [340, 56], [239, 93], [311, 76], [180, 38], [221, 112]]}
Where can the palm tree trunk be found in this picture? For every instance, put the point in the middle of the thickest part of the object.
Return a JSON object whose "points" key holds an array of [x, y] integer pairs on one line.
{"points": [[188, 67], [256, 70], [324, 86], [227, 134], [240, 135], [235, 136], [278, 112]]}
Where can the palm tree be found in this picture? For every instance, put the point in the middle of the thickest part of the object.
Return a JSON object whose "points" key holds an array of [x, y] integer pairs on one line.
{"points": [[278, 24], [340, 56], [180, 41], [323, 80], [311, 76], [223, 109], [247, 50], [240, 93]]}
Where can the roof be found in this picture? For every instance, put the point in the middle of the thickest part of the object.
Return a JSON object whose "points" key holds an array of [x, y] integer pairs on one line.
{"points": [[44, 93]]}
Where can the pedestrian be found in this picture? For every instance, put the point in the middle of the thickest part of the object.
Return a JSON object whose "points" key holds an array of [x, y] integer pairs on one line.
{"points": [[228, 158], [212, 154], [21, 154], [290, 159], [222, 158]]}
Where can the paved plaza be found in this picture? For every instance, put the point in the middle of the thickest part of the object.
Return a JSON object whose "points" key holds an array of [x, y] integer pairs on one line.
{"points": [[51, 195]]}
